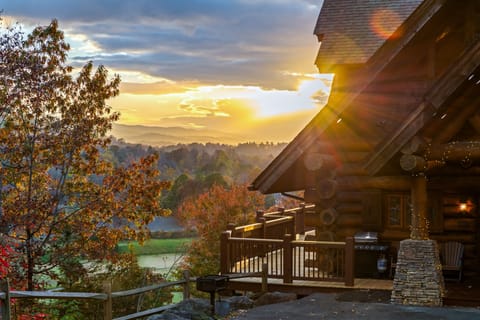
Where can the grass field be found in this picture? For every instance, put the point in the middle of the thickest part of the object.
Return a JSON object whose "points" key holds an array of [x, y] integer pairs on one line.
{"points": [[155, 246]]}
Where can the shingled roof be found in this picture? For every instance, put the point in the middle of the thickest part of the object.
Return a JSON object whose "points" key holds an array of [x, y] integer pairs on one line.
{"points": [[351, 31]]}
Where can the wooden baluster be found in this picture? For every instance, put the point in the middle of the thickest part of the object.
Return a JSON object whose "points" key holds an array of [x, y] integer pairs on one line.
{"points": [[287, 259], [350, 262]]}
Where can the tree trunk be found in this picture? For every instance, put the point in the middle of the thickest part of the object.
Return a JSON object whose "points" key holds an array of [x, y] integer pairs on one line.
{"points": [[30, 261]]}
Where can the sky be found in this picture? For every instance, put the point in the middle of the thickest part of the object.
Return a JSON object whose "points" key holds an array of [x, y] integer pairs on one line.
{"points": [[238, 67]]}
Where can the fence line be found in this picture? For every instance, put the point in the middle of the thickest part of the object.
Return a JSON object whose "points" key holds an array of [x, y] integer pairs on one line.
{"points": [[107, 296]]}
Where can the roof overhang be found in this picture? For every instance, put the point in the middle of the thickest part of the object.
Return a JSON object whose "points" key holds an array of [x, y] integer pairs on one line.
{"points": [[266, 180], [439, 93]]}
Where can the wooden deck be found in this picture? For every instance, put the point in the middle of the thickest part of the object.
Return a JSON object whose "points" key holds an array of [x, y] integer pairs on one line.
{"points": [[308, 287]]}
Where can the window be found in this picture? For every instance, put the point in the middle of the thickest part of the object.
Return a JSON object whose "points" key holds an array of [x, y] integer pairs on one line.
{"points": [[398, 206]]}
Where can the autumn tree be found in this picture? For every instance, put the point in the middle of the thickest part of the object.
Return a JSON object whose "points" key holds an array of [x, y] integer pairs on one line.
{"points": [[59, 199], [209, 214]]}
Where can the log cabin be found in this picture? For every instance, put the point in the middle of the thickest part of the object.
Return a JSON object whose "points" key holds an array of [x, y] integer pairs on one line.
{"points": [[396, 149]]}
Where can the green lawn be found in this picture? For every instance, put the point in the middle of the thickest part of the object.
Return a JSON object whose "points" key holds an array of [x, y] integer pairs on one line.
{"points": [[155, 246]]}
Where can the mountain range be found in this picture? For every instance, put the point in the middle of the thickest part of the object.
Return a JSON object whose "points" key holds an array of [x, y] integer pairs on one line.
{"points": [[165, 136]]}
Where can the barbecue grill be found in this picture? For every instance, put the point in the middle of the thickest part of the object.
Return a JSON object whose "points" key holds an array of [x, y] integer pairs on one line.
{"points": [[212, 284], [368, 252]]}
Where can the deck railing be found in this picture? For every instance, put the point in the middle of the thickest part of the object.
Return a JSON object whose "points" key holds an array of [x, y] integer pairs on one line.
{"points": [[271, 241], [289, 259]]}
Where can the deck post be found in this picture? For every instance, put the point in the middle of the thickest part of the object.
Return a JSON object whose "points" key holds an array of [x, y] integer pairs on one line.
{"points": [[5, 306], [291, 227], [225, 252], [287, 259], [300, 220], [263, 221], [264, 277], [349, 262], [107, 304], [259, 214], [186, 285]]}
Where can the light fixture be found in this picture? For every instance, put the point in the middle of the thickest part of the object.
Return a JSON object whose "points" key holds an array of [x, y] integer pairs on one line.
{"points": [[463, 207]]}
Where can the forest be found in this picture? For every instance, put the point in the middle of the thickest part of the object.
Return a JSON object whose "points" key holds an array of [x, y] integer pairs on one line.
{"points": [[194, 168]]}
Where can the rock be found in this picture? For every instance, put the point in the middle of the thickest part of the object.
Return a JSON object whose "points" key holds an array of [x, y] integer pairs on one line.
{"points": [[191, 309], [240, 303], [166, 316], [274, 297]]}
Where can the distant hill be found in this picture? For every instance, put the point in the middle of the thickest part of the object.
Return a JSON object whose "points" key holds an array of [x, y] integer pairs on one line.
{"points": [[165, 136]]}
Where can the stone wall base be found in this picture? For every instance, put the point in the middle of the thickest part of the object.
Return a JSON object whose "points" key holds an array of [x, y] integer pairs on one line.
{"points": [[418, 275]]}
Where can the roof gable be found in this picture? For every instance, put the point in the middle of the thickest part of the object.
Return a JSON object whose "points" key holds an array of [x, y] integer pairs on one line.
{"points": [[453, 83], [352, 36], [268, 180]]}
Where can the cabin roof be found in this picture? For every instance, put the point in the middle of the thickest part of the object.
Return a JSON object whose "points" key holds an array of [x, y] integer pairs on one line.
{"points": [[351, 31], [282, 175]]}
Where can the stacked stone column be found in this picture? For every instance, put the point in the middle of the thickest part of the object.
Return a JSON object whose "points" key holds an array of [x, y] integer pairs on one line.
{"points": [[418, 276]]}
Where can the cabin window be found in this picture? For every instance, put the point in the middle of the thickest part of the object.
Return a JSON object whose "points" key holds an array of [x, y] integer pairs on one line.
{"points": [[398, 210]]}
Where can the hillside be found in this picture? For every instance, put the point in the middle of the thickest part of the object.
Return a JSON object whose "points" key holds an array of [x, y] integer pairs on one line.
{"points": [[194, 168], [166, 136]]}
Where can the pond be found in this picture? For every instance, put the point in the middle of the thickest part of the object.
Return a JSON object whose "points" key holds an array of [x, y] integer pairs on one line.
{"points": [[160, 263], [163, 264]]}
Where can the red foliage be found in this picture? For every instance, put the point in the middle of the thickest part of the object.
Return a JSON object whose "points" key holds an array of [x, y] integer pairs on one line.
{"points": [[5, 252], [209, 214]]}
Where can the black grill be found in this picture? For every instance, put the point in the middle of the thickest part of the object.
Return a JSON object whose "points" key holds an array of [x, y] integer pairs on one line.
{"points": [[212, 284]]}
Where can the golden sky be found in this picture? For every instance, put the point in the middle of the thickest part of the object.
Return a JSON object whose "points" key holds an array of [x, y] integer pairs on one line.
{"points": [[237, 67]]}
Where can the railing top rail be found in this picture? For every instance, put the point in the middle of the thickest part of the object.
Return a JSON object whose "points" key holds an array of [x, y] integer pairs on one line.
{"points": [[88, 295], [329, 244], [289, 211], [131, 292], [341, 243], [242, 275], [256, 240], [278, 221], [249, 227], [55, 295]]}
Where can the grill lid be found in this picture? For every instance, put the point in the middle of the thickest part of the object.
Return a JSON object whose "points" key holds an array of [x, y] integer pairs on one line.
{"points": [[366, 237]]}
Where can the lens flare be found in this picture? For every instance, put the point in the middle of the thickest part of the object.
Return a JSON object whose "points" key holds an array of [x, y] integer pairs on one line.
{"points": [[384, 23]]}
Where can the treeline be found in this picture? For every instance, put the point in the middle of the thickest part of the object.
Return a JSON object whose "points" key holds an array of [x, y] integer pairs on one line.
{"points": [[194, 168]]}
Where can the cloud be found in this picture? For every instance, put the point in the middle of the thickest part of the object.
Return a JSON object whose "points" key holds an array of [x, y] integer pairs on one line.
{"points": [[237, 41], [227, 108]]}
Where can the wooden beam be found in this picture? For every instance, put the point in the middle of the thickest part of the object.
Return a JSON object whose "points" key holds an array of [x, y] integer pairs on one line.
{"points": [[416, 145], [383, 182], [414, 163], [454, 151]]}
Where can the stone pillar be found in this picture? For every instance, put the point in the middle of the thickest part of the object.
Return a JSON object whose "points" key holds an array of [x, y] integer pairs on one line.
{"points": [[418, 275]]}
